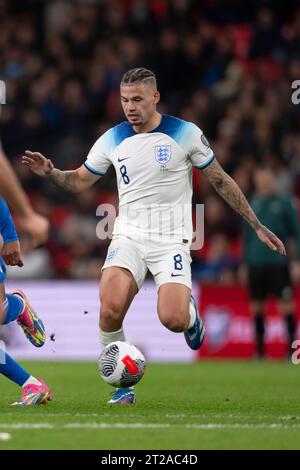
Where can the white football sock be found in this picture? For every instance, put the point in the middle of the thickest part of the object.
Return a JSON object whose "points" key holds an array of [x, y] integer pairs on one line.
{"points": [[31, 381], [192, 315], [107, 337]]}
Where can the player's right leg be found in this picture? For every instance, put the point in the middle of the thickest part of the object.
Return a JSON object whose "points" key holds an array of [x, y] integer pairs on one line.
{"points": [[124, 272], [177, 311], [117, 291], [34, 391]]}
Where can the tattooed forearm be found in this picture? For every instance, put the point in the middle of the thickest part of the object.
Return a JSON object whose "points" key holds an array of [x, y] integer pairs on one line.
{"points": [[65, 179], [231, 193]]}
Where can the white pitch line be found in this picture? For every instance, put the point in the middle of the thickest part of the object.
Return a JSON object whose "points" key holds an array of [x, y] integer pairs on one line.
{"points": [[242, 426], [167, 416], [5, 436], [47, 426], [229, 416], [27, 426], [117, 426], [46, 415]]}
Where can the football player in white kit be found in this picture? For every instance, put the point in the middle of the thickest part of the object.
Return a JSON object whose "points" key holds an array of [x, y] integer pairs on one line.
{"points": [[153, 156]]}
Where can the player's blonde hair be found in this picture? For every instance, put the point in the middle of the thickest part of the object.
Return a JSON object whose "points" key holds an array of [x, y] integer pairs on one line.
{"points": [[139, 75]]}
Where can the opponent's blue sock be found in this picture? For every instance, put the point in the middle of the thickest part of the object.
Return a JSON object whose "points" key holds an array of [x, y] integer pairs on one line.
{"points": [[12, 370], [13, 307]]}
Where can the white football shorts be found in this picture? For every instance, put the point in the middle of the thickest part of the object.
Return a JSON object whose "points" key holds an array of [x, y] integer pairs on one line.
{"points": [[167, 261]]}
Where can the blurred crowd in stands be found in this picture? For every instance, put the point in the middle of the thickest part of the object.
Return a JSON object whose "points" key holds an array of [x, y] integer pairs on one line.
{"points": [[225, 65]]}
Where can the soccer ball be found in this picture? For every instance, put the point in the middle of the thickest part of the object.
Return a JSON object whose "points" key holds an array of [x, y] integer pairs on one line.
{"points": [[121, 364]]}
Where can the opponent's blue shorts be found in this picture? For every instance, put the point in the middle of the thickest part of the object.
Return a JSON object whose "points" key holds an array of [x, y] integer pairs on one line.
{"points": [[2, 270]]}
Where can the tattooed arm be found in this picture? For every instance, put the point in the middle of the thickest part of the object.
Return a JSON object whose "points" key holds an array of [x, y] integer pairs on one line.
{"points": [[73, 181], [232, 194]]}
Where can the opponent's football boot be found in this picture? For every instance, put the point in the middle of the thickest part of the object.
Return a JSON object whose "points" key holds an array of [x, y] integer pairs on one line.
{"points": [[34, 394], [32, 326]]}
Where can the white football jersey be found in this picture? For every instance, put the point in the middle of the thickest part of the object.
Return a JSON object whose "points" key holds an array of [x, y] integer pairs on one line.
{"points": [[154, 175]]}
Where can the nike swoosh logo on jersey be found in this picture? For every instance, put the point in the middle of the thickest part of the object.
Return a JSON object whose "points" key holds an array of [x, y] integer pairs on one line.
{"points": [[122, 159], [176, 275]]}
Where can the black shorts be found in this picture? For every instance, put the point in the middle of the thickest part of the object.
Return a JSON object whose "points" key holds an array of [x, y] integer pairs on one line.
{"points": [[270, 280]]}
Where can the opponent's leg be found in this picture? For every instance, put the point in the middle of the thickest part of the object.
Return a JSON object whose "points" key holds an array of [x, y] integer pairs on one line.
{"points": [[117, 291], [16, 306], [29, 321], [177, 311], [2, 300], [34, 391], [11, 306]]}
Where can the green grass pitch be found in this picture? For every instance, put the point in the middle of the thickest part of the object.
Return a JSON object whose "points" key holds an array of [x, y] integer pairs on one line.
{"points": [[205, 405]]}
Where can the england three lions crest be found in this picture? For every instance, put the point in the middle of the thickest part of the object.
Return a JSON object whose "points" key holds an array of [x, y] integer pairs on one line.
{"points": [[162, 154]]}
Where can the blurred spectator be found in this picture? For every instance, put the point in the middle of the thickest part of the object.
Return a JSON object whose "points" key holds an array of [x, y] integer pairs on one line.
{"points": [[219, 265], [267, 38], [268, 271]]}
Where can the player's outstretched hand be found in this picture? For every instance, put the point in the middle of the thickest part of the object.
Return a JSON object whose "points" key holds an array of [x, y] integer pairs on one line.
{"points": [[39, 164], [270, 239], [11, 254]]}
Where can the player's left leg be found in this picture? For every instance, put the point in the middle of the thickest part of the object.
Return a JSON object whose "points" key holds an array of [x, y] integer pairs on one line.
{"points": [[34, 391], [170, 264], [177, 311], [173, 306]]}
